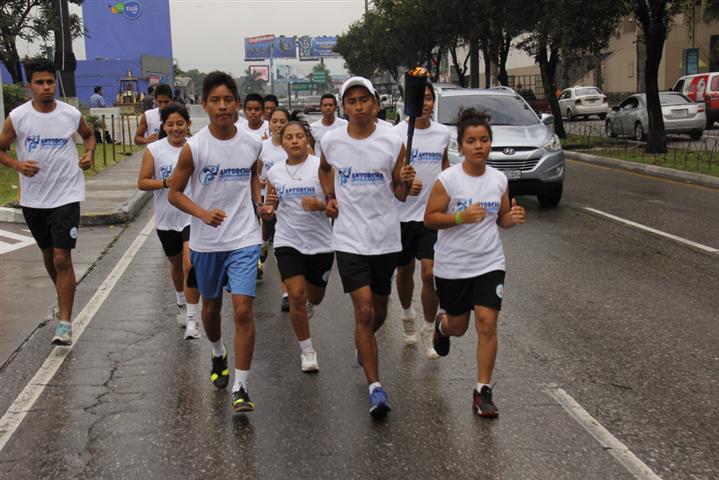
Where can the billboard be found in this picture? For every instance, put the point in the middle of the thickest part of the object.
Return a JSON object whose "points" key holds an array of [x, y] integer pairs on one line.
{"points": [[314, 48], [266, 46], [262, 70]]}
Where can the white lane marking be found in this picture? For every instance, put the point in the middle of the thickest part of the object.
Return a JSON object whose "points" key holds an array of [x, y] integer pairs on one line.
{"points": [[24, 402], [22, 242], [653, 230], [609, 442]]}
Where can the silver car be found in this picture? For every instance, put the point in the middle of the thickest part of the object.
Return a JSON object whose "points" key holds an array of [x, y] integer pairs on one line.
{"points": [[583, 102], [524, 146], [681, 115]]}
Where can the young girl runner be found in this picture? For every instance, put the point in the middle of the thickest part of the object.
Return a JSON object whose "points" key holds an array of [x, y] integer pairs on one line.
{"points": [[173, 226], [303, 234], [467, 203]]}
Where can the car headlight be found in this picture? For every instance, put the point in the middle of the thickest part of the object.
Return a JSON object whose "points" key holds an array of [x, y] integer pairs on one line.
{"points": [[554, 145], [453, 145]]}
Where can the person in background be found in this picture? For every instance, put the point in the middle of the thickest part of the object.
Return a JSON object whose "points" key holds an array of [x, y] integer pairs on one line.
{"points": [[148, 103], [96, 100], [271, 102], [148, 130]]}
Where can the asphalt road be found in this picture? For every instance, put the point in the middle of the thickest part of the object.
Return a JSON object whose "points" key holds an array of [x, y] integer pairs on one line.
{"points": [[622, 320]]}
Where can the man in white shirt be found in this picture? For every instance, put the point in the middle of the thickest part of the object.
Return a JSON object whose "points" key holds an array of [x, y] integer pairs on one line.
{"points": [[329, 120], [52, 183], [254, 108], [148, 130]]}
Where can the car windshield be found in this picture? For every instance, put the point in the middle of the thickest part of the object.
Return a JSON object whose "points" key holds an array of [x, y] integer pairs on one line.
{"points": [[673, 99], [503, 109], [581, 92]]}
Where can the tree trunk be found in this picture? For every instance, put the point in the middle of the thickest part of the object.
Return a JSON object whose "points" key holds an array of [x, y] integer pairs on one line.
{"points": [[474, 62], [455, 61], [502, 75], [13, 64], [487, 57], [548, 67]]}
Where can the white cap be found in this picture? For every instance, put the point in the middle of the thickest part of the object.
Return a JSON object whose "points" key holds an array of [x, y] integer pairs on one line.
{"points": [[356, 82]]}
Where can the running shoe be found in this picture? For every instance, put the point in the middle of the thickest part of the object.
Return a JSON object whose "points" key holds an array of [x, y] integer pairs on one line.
{"points": [[285, 307], [410, 333], [192, 330], [241, 401], [63, 334], [260, 270], [378, 406], [482, 402], [181, 315], [309, 361], [428, 344], [440, 342], [220, 375], [310, 310]]}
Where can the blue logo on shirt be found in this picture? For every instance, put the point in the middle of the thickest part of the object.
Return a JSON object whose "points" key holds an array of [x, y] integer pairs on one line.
{"points": [[424, 157], [359, 178], [32, 142], [235, 174], [209, 174], [462, 204], [165, 171]]}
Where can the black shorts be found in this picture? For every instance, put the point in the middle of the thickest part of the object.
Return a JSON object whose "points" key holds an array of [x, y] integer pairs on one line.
{"points": [[374, 271], [315, 268], [172, 240], [459, 296], [417, 242], [54, 227]]}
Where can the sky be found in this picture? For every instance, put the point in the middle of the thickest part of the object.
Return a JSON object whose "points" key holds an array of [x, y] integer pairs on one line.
{"points": [[199, 26]]}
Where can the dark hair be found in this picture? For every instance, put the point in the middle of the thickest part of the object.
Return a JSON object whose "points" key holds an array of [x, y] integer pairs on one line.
{"points": [[283, 110], [215, 79], [431, 90], [472, 118], [97, 89], [163, 89], [272, 98], [295, 119], [328, 95], [254, 97], [39, 65], [150, 89], [165, 113]]}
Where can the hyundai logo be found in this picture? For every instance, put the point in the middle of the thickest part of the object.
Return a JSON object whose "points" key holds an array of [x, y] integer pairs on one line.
{"points": [[508, 151]]}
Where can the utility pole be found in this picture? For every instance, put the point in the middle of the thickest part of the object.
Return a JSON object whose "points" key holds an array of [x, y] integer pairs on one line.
{"points": [[64, 56], [366, 6]]}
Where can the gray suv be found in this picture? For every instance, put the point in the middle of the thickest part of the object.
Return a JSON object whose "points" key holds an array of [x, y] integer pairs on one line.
{"points": [[524, 147]]}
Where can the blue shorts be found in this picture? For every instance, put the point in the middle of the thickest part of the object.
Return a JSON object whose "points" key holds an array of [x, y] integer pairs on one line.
{"points": [[236, 270]]}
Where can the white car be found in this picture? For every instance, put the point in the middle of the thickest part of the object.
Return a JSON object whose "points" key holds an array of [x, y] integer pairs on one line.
{"points": [[583, 102]]}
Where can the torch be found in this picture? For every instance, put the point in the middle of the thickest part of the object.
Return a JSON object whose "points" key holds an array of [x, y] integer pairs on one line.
{"points": [[415, 82]]}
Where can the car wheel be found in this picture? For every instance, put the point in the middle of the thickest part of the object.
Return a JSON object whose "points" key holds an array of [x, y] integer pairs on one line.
{"points": [[602, 116], [696, 134], [609, 129], [639, 132], [570, 117], [551, 197]]}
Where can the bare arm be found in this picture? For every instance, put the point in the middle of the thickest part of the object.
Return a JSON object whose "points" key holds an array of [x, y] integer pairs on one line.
{"points": [[183, 171], [436, 216], [255, 188], [28, 167], [327, 180], [510, 215], [402, 177], [445, 160], [88, 139], [140, 138], [146, 180]]}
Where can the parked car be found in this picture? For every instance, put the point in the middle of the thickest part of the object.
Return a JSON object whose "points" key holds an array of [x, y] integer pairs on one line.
{"points": [[438, 89], [703, 87], [681, 115], [312, 104], [524, 147], [539, 105], [582, 102]]}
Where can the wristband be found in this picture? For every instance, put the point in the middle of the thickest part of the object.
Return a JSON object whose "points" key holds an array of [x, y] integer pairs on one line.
{"points": [[458, 218], [164, 183]]}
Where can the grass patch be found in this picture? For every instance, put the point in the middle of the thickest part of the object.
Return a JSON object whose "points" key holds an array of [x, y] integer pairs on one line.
{"points": [[9, 180]]}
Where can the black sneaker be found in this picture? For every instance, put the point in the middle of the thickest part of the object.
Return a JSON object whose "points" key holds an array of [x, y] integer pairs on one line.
{"points": [[220, 375], [241, 401], [439, 341], [482, 402], [285, 304]]}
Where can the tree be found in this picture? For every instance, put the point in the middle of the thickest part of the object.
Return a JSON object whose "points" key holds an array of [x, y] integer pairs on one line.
{"points": [[29, 20], [252, 83], [327, 85]]}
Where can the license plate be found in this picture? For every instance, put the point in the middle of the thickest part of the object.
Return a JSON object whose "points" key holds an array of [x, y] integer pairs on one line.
{"points": [[680, 113], [513, 174]]}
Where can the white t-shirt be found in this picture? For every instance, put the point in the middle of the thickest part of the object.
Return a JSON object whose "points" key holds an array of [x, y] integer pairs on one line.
{"points": [[167, 216], [367, 223], [263, 132], [152, 117], [47, 138], [470, 249], [384, 123], [271, 154], [241, 122], [223, 170], [309, 233], [319, 129], [428, 148]]}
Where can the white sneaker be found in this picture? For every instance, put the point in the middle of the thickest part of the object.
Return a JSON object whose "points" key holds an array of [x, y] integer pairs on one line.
{"points": [[192, 330], [63, 334], [310, 310], [410, 333], [182, 316], [309, 361], [427, 343]]}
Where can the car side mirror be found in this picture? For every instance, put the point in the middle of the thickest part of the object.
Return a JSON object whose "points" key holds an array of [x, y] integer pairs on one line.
{"points": [[615, 109], [547, 118]]}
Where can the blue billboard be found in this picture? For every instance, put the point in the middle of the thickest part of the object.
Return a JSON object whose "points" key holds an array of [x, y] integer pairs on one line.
{"points": [[314, 48], [270, 46]]}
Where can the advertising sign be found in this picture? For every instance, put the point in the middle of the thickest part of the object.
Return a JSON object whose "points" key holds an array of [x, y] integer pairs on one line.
{"points": [[266, 46], [690, 61], [314, 48], [263, 70]]}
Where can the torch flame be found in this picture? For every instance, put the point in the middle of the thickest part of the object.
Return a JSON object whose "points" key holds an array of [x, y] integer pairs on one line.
{"points": [[418, 72]]}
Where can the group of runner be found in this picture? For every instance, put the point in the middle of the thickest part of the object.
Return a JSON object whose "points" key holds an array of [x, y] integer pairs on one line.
{"points": [[334, 189]]}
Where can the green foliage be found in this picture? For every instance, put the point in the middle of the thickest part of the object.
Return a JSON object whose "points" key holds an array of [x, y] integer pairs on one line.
{"points": [[327, 85], [94, 121], [252, 83], [13, 95]]}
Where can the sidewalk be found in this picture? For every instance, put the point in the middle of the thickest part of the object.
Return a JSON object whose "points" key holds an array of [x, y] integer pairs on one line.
{"points": [[111, 197]]}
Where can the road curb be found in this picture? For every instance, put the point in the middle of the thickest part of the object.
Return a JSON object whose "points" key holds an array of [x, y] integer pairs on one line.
{"points": [[651, 170], [124, 214]]}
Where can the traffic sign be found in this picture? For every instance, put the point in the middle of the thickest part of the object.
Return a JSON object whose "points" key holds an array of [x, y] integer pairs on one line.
{"points": [[302, 86], [319, 77]]}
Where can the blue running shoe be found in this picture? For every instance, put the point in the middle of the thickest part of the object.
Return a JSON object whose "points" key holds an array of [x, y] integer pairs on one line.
{"points": [[63, 334], [378, 406]]}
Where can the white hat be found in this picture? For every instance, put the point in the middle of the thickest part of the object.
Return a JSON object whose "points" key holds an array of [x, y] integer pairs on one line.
{"points": [[356, 82]]}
